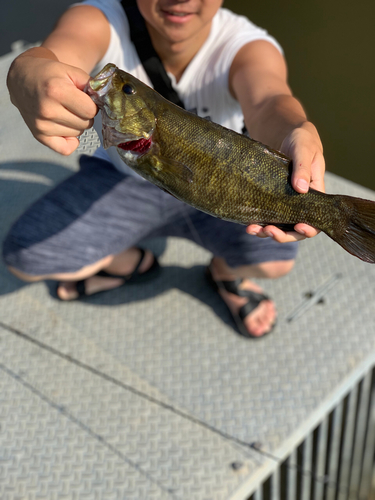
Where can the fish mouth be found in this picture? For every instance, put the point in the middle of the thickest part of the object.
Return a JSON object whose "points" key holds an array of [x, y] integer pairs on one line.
{"points": [[112, 136], [98, 86]]}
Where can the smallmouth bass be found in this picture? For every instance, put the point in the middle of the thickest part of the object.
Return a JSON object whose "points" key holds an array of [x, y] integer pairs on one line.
{"points": [[217, 170]]}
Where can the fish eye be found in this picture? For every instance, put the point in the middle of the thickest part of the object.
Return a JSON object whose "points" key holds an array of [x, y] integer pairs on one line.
{"points": [[128, 89]]}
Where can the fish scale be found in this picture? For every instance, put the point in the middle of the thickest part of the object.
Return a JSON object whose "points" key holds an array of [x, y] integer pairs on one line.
{"points": [[217, 170]]}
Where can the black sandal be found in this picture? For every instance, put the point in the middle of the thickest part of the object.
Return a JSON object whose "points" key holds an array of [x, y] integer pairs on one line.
{"points": [[134, 277], [254, 299]]}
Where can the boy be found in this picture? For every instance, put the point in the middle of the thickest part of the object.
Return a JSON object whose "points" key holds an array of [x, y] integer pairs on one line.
{"points": [[221, 65]]}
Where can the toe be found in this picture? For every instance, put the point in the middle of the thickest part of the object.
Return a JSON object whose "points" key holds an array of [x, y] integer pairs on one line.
{"points": [[67, 291], [261, 321]]}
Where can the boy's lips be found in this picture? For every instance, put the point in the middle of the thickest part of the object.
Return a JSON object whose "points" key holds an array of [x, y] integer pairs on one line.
{"points": [[176, 16]]}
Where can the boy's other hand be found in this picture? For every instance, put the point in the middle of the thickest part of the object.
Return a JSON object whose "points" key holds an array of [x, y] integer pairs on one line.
{"points": [[303, 145]]}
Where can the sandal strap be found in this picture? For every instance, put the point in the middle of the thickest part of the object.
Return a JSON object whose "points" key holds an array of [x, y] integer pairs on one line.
{"points": [[233, 287], [254, 300], [81, 288], [136, 269], [81, 284]]}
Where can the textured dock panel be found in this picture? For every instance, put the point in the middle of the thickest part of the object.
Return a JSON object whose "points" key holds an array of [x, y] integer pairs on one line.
{"points": [[65, 424]]}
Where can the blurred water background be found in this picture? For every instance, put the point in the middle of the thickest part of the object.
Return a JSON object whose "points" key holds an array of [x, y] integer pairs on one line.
{"points": [[330, 50]]}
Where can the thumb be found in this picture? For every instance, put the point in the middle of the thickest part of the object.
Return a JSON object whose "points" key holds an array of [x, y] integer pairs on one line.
{"points": [[301, 178], [301, 174]]}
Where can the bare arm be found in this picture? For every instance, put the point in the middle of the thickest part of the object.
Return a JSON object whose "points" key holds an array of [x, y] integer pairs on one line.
{"points": [[45, 83], [258, 80]]}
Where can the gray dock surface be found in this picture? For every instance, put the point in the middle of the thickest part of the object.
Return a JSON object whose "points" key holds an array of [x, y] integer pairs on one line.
{"points": [[147, 392]]}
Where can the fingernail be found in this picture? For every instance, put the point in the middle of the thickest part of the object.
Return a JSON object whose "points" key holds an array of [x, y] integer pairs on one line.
{"points": [[302, 184], [252, 233], [268, 234]]}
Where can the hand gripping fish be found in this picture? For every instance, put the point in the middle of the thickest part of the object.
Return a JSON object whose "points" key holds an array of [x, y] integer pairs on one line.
{"points": [[216, 170]]}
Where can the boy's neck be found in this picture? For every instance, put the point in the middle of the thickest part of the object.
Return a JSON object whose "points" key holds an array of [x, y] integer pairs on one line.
{"points": [[176, 56]]}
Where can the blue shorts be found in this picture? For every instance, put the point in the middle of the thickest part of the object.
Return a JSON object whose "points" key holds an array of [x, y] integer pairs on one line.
{"points": [[99, 211]]}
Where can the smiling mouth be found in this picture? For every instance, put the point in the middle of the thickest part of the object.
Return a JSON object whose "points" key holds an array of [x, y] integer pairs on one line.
{"points": [[177, 14]]}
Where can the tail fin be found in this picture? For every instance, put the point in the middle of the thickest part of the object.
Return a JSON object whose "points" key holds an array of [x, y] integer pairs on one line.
{"points": [[358, 235]]}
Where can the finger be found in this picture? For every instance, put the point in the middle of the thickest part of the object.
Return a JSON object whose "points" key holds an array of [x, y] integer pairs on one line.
{"points": [[64, 92], [301, 231], [50, 128], [73, 122], [306, 230], [63, 145], [78, 77], [80, 104], [301, 175], [283, 236], [87, 106], [275, 233], [265, 232], [317, 173], [52, 111], [256, 230]]}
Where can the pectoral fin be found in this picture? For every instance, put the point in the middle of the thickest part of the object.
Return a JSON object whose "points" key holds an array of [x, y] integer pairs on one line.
{"points": [[169, 167]]}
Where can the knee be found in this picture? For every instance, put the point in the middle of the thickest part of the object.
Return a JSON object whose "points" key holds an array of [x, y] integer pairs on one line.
{"points": [[83, 273], [16, 261], [276, 269]]}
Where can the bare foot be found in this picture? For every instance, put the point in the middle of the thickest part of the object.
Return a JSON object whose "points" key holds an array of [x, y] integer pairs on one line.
{"points": [[122, 264], [261, 320]]}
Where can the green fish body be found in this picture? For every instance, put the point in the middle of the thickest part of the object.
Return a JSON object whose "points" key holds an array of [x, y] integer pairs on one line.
{"points": [[217, 170]]}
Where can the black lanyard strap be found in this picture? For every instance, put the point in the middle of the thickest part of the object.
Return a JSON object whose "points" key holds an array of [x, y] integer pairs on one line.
{"points": [[150, 60]]}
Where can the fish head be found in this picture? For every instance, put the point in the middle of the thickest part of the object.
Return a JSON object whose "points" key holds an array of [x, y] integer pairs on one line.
{"points": [[128, 122]]}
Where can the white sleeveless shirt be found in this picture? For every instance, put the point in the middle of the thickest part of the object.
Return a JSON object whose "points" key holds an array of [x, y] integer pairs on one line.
{"points": [[203, 87]]}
